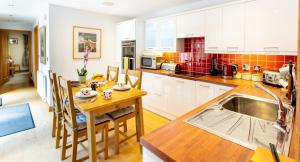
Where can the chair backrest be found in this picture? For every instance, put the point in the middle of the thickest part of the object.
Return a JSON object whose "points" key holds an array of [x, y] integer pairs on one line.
{"points": [[112, 73], [134, 78], [55, 92], [68, 107]]}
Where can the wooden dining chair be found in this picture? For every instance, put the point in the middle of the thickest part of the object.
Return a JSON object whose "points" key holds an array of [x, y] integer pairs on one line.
{"points": [[74, 123], [112, 73], [56, 108], [120, 117]]}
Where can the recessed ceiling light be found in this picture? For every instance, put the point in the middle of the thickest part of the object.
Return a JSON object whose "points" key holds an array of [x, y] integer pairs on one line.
{"points": [[107, 3]]}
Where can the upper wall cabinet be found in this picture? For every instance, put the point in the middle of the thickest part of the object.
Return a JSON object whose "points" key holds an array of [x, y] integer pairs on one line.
{"points": [[190, 25], [213, 29], [151, 33], [127, 30], [233, 28], [160, 34], [271, 26]]}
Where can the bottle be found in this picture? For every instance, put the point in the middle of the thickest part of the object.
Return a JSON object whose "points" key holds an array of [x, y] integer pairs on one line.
{"points": [[213, 67]]}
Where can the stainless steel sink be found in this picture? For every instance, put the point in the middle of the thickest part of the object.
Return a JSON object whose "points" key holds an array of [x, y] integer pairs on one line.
{"points": [[251, 106], [246, 120]]}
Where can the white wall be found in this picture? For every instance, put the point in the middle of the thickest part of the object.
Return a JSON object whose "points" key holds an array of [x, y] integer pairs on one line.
{"points": [[16, 51], [61, 23], [42, 88]]}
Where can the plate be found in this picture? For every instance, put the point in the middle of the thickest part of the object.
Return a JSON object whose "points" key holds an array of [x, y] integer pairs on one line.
{"points": [[80, 95], [124, 88]]}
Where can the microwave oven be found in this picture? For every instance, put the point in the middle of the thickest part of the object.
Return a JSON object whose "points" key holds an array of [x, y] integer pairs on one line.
{"points": [[150, 62]]}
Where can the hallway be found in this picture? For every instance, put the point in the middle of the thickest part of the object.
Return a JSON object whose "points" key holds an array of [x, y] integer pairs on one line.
{"points": [[19, 80]]}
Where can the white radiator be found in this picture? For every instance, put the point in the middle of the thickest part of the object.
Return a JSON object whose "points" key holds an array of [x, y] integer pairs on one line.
{"points": [[42, 85]]}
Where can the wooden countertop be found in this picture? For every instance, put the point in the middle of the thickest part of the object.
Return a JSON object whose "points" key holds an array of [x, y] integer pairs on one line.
{"points": [[180, 141]]}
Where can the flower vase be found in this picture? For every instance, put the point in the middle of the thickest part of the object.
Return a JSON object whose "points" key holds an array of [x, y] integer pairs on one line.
{"points": [[82, 79]]}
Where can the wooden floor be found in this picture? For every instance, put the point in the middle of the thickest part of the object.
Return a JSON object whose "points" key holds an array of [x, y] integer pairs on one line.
{"points": [[37, 145]]}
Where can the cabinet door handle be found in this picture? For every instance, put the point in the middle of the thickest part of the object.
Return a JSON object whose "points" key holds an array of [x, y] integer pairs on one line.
{"points": [[266, 48], [232, 48], [179, 81], [189, 35], [204, 86], [215, 48], [157, 77], [157, 94]]}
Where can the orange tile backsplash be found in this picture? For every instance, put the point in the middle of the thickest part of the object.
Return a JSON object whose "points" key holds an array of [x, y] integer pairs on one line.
{"points": [[198, 61]]}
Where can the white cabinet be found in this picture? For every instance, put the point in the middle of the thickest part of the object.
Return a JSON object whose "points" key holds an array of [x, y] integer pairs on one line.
{"points": [[204, 92], [181, 96], [167, 35], [124, 31], [148, 156], [153, 84], [190, 25], [172, 97], [151, 33], [161, 34], [271, 25], [233, 28], [128, 30], [207, 91], [213, 29]]}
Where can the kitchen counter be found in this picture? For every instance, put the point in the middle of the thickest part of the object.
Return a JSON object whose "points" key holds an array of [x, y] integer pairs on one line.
{"points": [[180, 141]]}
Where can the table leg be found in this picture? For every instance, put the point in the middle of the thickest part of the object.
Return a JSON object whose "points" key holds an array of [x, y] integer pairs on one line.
{"points": [[139, 120], [91, 137]]}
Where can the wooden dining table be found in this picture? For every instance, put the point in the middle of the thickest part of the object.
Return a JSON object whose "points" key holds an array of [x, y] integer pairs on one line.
{"points": [[100, 106]]}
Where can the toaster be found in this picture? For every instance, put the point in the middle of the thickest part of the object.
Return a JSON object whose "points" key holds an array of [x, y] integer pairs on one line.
{"points": [[272, 78]]}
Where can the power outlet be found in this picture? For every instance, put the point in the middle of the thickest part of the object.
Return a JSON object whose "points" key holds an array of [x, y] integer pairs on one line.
{"points": [[257, 68], [246, 67]]}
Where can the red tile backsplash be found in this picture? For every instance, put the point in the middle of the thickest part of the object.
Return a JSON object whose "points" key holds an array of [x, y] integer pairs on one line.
{"points": [[196, 60]]}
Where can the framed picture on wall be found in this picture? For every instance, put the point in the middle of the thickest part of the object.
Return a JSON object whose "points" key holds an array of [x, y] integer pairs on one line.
{"points": [[43, 56], [86, 37]]}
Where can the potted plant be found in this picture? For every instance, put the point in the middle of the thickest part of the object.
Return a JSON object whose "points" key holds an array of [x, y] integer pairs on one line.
{"points": [[83, 71]]}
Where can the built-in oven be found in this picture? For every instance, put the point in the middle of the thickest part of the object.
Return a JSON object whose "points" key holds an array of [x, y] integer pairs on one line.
{"points": [[128, 54], [150, 62]]}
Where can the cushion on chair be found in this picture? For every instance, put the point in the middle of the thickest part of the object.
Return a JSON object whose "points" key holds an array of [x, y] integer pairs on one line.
{"points": [[119, 113], [81, 120]]}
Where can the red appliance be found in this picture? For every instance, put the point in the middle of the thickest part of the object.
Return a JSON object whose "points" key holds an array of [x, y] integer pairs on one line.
{"points": [[227, 71]]}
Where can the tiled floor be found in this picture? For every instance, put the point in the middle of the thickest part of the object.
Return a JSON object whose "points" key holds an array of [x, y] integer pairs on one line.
{"points": [[37, 145]]}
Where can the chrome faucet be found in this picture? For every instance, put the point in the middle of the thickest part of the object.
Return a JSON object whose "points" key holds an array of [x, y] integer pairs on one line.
{"points": [[281, 120]]}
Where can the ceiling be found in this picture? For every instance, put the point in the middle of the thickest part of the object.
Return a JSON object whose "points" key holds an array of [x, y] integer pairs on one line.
{"points": [[26, 11]]}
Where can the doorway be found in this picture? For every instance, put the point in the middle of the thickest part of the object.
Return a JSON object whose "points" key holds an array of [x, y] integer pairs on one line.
{"points": [[36, 54], [16, 59]]}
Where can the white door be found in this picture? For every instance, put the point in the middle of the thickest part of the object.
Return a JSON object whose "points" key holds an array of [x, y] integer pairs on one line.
{"points": [[128, 30], [233, 28], [190, 25], [180, 97], [153, 84], [213, 30], [271, 25], [204, 92], [151, 33], [167, 35]]}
